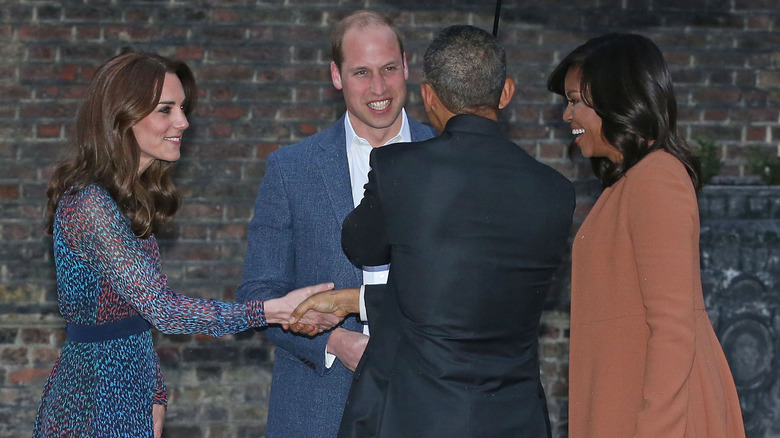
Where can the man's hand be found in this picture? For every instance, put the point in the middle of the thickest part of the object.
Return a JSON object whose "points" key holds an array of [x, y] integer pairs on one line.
{"points": [[158, 418], [340, 303], [279, 310], [348, 346]]}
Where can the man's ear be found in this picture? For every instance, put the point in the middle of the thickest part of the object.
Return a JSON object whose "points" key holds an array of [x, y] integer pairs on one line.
{"points": [[427, 94], [335, 75], [507, 93], [406, 68]]}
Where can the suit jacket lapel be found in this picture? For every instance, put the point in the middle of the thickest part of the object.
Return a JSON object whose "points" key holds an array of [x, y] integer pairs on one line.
{"points": [[331, 157]]}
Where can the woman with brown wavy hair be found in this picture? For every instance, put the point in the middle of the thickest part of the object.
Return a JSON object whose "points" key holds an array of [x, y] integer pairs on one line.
{"points": [[644, 358], [106, 201]]}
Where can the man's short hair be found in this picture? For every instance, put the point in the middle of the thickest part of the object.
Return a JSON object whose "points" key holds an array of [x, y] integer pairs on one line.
{"points": [[360, 20], [466, 66]]}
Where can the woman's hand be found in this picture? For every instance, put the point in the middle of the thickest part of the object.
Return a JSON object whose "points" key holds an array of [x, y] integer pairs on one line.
{"points": [[158, 418]]}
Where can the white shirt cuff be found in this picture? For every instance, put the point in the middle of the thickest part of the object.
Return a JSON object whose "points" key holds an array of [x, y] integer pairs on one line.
{"points": [[329, 358], [362, 301]]}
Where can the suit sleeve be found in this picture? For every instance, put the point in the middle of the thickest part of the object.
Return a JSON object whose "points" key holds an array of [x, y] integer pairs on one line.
{"points": [[374, 297], [269, 264], [363, 233], [663, 225]]}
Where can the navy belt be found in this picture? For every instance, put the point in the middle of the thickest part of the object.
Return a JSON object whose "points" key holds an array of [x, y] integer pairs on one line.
{"points": [[107, 332]]}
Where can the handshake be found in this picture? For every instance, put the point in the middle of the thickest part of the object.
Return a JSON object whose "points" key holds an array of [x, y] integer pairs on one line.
{"points": [[313, 309]]}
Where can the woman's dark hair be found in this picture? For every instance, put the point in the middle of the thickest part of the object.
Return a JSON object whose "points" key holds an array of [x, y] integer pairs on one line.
{"points": [[124, 90], [626, 81]]}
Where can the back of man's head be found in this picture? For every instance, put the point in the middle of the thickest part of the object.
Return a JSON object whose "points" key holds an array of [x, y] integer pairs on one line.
{"points": [[466, 66]]}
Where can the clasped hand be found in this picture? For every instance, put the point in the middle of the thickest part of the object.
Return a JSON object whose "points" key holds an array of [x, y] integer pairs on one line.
{"points": [[279, 311], [324, 306]]}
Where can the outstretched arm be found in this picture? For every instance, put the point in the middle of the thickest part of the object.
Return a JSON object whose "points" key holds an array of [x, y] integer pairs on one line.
{"points": [[91, 224]]}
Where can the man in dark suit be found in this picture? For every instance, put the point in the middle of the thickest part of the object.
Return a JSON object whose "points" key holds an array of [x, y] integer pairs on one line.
{"points": [[475, 228], [294, 236]]}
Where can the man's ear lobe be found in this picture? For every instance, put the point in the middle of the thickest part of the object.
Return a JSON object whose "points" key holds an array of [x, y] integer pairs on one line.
{"points": [[426, 92], [335, 75], [507, 93]]}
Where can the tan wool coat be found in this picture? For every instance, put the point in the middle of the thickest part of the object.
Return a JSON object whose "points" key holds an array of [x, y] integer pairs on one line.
{"points": [[644, 359]]}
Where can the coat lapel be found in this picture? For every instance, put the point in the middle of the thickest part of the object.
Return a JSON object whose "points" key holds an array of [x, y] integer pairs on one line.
{"points": [[330, 155]]}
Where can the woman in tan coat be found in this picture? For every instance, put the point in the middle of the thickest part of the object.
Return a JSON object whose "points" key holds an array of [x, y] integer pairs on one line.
{"points": [[644, 359]]}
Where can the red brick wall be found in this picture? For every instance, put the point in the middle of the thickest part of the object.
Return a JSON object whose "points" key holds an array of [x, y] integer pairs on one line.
{"points": [[262, 69]]}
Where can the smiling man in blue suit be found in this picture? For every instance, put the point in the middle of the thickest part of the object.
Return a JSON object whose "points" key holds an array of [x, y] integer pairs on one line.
{"points": [[294, 236]]}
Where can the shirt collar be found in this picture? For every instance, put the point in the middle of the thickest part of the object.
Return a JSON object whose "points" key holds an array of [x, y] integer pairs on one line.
{"points": [[404, 134]]}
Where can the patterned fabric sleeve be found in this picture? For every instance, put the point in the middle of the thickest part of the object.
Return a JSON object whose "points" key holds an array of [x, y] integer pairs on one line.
{"points": [[160, 392], [94, 226]]}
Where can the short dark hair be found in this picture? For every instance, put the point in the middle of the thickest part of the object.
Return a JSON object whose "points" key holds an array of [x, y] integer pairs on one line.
{"points": [[466, 66], [359, 19], [626, 81]]}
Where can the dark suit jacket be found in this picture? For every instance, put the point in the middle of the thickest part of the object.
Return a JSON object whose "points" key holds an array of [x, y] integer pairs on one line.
{"points": [[294, 241], [474, 228]]}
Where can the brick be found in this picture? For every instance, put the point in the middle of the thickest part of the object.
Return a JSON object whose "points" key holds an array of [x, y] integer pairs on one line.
{"points": [[14, 356], [265, 149], [88, 33], [14, 92], [761, 22], [720, 95], [9, 191], [274, 54], [769, 79], [44, 72], [28, 377], [97, 53], [89, 13], [36, 336], [222, 14], [757, 133], [307, 113], [17, 232], [222, 34], [220, 129], [42, 53], [44, 33], [48, 110], [221, 111], [45, 357], [716, 115], [132, 33], [224, 73], [48, 131], [189, 52], [221, 94], [8, 335]]}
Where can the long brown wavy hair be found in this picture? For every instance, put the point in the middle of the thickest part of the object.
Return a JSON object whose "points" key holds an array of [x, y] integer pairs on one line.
{"points": [[124, 90]]}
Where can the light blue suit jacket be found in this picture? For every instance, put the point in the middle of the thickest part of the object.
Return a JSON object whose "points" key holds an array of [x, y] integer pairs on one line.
{"points": [[294, 241]]}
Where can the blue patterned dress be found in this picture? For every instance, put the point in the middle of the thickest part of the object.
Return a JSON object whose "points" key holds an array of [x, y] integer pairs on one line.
{"points": [[107, 274]]}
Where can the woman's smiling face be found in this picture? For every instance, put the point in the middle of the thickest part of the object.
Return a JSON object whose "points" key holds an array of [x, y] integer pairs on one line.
{"points": [[159, 134], [585, 123]]}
